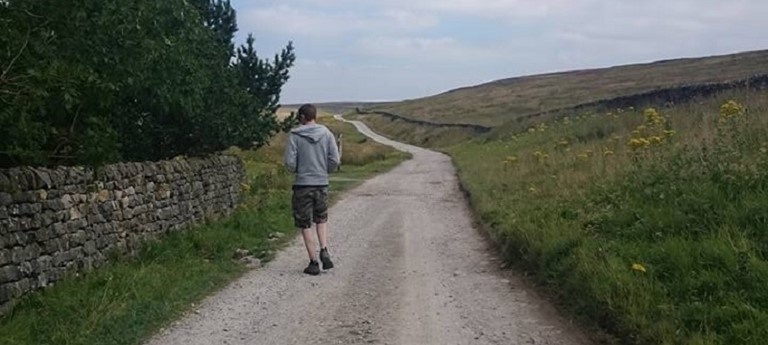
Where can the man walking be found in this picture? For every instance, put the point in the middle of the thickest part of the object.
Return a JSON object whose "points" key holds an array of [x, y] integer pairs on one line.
{"points": [[311, 154]]}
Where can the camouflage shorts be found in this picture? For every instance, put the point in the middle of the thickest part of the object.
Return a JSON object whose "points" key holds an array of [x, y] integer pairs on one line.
{"points": [[310, 205]]}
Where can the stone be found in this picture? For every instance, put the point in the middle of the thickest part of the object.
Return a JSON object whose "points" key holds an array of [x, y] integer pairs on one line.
{"points": [[66, 201], [240, 253], [96, 219], [43, 234], [5, 256], [59, 229], [30, 209], [9, 274], [26, 268], [79, 237], [103, 195], [20, 237], [128, 213], [5, 293], [4, 212], [5, 199], [14, 210], [25, 197], [251, 262], [44, 263], [90, 248], [52, 246], [75, 214], [42, 178], [42, 194], [42, 279], [20, 287]]}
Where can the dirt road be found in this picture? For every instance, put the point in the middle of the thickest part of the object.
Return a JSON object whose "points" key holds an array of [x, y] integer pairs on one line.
{"points": [[410, 269]]}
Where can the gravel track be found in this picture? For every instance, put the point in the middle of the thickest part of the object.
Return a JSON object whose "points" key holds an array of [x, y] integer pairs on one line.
{"points": [[410, 269]]}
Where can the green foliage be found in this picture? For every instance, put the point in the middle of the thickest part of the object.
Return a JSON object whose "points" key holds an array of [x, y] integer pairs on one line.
{"points": [[89, 82]]}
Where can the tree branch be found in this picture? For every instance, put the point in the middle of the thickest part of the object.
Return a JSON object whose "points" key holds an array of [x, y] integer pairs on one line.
{"points": [[21, 51]]}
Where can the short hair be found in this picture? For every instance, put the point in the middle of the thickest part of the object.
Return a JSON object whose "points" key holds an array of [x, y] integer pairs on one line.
{"points": [[308, 112]]}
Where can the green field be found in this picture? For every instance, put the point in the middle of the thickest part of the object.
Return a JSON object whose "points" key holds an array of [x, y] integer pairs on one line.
{"points": [[129, 299], [649, 223], [500, 101]]}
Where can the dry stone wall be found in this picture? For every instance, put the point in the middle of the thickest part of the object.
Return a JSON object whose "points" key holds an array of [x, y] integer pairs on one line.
{"points": [[65, 220]]}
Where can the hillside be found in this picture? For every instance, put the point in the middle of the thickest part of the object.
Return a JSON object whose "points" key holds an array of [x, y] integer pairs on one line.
{"points": [[336, 107], [497, 102]]}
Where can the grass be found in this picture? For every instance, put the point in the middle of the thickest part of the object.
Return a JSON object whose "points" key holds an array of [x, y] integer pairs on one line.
{"points": [[650, 224], [132, 297], [501, 101]]}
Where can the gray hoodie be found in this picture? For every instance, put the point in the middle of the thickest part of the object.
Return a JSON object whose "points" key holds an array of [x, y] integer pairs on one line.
{"points": [[311, 154]]}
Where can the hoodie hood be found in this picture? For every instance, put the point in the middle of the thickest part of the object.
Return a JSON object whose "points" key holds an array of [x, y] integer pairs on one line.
{"points": [[312, 133]]}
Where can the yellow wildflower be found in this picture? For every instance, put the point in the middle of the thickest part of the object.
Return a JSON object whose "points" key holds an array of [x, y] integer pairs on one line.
{"points": [[510, 160], [731, 109], [652, 117], [639, 143]]}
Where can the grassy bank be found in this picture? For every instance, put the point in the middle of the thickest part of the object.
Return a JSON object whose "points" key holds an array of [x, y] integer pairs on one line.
{"points": [[130, 298], [650, 223]]}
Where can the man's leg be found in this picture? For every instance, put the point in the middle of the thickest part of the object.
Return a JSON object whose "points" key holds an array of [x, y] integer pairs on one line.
{"points": [[322, 235], [302, 213], [321, 219], [309, 242]]}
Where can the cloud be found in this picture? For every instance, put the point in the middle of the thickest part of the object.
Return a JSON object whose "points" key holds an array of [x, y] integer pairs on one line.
{"points": [[303, 22], [444, 49]]}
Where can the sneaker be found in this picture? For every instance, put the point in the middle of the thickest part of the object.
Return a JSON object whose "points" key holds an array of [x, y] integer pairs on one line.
{"points": [[325, 258], [313, 268]]}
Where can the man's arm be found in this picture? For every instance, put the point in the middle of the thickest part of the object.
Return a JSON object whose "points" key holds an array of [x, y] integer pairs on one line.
{"points": [[333, 153], [291, 155]]}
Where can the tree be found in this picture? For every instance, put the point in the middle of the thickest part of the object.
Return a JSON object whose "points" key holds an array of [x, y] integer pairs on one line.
{"points": [[94, 81]]}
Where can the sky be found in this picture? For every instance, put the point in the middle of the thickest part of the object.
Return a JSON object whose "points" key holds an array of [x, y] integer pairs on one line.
{"points": [[380, 50]]}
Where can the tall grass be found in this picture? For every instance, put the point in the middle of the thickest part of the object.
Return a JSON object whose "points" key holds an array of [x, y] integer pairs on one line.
{"points": [[652, 226]]}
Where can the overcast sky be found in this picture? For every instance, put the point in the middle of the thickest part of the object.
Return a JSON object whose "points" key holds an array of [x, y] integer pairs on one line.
{"points": [[356, 50]]}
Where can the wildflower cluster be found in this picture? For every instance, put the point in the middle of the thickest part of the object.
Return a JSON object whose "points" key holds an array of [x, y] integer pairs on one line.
{"points": [[652, 132], [730, 110], [510, 161], [541, 157]]}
